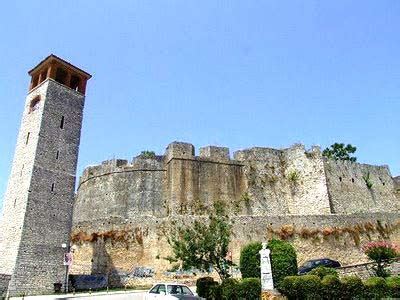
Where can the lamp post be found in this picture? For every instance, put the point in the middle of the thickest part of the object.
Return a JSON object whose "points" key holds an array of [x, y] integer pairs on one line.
{"points": [[67, 263]]}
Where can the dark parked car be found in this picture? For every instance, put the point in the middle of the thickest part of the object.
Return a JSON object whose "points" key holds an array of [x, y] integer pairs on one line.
{"points": [[312, 264]]}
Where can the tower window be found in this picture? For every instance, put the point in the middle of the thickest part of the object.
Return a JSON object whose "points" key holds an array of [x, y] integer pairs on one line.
{"points": [[62, 122], [43, 76], [57, 154], [27, 138], [35, 81], [61, 75], [52, 187], [34, 105], [74, 82]]}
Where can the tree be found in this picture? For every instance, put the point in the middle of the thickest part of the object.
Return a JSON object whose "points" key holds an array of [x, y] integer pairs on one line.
{"points": [[250, 260], [381, 252], [204, 244], [340, 151]]}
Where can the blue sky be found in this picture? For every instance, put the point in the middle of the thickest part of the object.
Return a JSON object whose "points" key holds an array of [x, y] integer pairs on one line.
{"points": [[229, 73]]}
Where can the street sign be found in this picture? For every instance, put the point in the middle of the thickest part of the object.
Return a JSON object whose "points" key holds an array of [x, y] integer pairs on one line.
{"points": [[68, 259]]}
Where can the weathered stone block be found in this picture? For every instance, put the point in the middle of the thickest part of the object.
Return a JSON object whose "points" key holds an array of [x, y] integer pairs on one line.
{"points": [[179, 150], [215, 153]]}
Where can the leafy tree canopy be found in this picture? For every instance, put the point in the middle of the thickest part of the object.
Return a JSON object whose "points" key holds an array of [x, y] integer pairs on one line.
{"points": [[340, 151], [203, 244]]}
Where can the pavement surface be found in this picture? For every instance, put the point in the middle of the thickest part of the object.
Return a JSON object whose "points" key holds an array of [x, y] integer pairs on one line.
{"points": [[122, 295]]}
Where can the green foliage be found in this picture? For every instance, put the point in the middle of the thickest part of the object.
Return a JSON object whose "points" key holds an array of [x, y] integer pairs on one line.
{"points": [[376, 288], [202, 245], [393, 284], [301, 287], [352, 287], [230, 289], [381, 252], [309, 287], [367, 180], [340, 151], [148, 154], [288, 286], [250, 260], [322, 271], [331, 287], [283, 260], [294, 177], [216, 292], [204, 286], [246, 198], [249, 289]]}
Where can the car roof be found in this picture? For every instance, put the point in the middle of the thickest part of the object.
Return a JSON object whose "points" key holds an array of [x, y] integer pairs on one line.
{"points": [[169, 283], [316, 259]]}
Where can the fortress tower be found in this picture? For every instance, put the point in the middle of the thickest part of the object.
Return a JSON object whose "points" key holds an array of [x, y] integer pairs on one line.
{"points": [[37, 209]]}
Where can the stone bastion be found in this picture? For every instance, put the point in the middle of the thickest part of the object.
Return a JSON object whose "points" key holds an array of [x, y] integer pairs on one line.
{"points": [[123, 211]]}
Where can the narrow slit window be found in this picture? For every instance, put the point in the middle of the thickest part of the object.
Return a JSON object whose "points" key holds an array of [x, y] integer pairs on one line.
{"points": [[62, 122], [27, 138], [57, 154], [52, 187], [34, 105]]}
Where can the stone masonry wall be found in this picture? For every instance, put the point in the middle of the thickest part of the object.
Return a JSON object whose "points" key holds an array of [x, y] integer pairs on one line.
{"points": [[142, 241], [16, 196], [349, 192], [124, 211], [290, 181], [44, 211], [119, 189]]}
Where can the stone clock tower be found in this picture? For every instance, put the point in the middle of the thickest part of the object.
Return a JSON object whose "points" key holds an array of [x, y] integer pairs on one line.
{"points": [[37, 209]]}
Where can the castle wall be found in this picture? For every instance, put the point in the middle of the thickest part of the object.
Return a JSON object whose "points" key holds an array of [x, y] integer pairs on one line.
{"points": [[290, 181], [144, 241], [121, 190], [349, 192], [124, 211], [194, 184]]}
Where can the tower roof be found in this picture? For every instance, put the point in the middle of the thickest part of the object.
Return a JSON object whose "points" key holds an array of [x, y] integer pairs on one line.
{"points": [[53, 58]]}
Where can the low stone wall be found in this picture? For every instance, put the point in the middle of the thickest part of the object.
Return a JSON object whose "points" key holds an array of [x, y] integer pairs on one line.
{"points": [[365, 270]]}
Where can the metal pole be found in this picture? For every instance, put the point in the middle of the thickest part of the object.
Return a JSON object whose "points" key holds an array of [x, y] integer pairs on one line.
{"points": [[66, 270]]}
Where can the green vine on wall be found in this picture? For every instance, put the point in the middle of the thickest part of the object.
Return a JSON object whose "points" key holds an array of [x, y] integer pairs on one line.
{"points": [[367, 180]]}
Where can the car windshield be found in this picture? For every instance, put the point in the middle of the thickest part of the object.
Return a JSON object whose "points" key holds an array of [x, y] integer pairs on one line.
{"points": [[309, 264], [175, 289]]}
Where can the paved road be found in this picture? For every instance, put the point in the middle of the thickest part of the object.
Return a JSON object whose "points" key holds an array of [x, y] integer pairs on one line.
{"points": [[137, 295]]}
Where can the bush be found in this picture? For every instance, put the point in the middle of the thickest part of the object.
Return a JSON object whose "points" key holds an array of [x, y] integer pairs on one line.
{"points": [[309, 287], [352, 287], [250, 260], [288, 286], [376, 288], [283, 260], [249, 289], [393, 284], [148, 154], [331, 287], [322, 271], [216, 292], [229, 289], [301, 287], [203, 286]]}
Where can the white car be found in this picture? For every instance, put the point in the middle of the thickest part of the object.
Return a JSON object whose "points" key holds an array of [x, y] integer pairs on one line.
{"points": [[170, 291]]}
